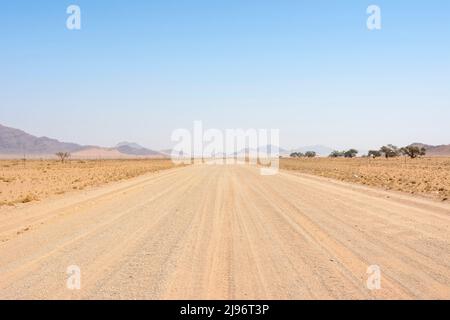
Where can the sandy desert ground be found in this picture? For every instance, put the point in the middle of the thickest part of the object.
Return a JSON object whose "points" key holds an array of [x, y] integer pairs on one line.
{"points": [[226, 232], [429, 177], [33, 180]]}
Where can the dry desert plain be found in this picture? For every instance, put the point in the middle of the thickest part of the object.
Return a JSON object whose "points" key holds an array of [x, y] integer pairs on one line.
{"points": [[32, 180], [214, 231], [428, 177]]}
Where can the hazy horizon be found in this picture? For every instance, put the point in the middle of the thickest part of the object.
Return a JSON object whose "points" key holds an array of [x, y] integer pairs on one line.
{"points": [[137, 71]]}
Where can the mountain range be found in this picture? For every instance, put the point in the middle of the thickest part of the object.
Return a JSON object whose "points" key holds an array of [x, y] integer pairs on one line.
{"points": [[17, 143]]}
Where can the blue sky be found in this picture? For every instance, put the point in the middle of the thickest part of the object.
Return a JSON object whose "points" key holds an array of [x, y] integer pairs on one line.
{"points": [[137, 70]]}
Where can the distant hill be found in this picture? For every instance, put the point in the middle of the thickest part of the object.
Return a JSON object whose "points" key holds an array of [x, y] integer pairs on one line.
{"points": [[131, 148], [18, 142], [166, 152], [133, 145], [435, 151]]}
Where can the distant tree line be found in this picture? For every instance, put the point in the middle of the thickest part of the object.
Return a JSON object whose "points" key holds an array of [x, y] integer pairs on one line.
{"points": [[307, 154], [388, 151], [344, 154], [391, 151]]}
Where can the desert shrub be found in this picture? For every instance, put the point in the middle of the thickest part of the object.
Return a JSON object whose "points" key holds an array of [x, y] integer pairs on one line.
{"points": [[63, 156]]}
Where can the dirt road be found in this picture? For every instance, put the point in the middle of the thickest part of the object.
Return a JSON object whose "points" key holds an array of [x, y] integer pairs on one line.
{"points": [[213, 232]]}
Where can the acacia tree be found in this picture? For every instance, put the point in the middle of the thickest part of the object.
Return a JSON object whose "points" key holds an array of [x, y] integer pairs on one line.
{"points": [[374, 154], [297, 155], [413, 151], [310, 154], [336, 154], [390, 151], [350, 153], [63, 156]]}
